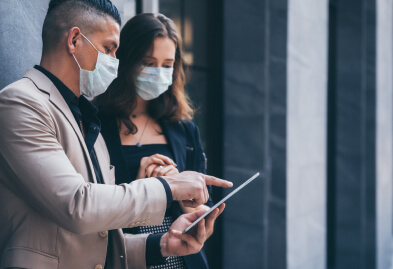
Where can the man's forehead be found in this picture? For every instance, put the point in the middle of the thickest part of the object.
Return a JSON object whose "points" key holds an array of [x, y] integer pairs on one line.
{"points": [[107, 30]]}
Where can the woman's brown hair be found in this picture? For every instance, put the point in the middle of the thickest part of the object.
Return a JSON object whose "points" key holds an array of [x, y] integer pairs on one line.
{"points": [[136, 39]]}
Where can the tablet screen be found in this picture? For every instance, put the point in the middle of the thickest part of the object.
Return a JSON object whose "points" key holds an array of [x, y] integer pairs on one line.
{"points": [[222, 201]]}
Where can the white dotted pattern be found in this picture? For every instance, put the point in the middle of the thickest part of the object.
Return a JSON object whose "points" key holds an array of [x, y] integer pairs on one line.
{"points": [[172, 262]]}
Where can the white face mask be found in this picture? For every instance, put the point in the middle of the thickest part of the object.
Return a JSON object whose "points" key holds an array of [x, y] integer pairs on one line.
{"points": [[153, 81], [94, 83]]}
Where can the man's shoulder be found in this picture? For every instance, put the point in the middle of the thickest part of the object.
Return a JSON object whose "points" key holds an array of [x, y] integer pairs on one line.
{"points": [[23, 89]]}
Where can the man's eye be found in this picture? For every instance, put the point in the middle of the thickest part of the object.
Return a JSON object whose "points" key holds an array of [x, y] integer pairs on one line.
{"points": [[107, 50]]}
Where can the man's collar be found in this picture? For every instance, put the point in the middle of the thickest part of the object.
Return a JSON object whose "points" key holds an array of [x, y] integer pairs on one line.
{"points": [[67, 94]]}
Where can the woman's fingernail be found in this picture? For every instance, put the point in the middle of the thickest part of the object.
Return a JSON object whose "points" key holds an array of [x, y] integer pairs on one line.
{"points": [[174, 164]]}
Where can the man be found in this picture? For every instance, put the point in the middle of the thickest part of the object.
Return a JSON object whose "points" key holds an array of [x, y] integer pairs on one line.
{"points": [[57, 198]]}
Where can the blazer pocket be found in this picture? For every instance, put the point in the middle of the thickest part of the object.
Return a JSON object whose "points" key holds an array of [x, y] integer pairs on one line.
{"points": [[21, 257]]}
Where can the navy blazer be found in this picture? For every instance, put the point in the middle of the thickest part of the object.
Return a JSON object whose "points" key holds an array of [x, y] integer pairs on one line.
{"points": [[184, 141]]}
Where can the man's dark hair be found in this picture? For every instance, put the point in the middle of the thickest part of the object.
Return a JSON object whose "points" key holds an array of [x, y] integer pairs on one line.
{"points": [[62, 15]]}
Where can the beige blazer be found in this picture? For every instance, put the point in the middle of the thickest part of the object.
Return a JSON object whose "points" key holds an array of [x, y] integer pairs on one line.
{"points": [[52, 214]]}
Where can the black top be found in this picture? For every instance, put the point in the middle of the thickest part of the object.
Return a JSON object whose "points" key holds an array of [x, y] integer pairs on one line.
{"points": [[85, 113], [134, 154]]}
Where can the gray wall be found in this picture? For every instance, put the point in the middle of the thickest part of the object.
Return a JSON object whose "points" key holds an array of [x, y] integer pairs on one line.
{"points": [[20, 35]]}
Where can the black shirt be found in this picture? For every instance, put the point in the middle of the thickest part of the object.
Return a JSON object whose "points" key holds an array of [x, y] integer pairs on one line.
{"points": [[85, 115]]}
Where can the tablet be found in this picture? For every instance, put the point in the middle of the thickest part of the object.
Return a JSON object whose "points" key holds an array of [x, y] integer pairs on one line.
{"points": [[220, 202]]}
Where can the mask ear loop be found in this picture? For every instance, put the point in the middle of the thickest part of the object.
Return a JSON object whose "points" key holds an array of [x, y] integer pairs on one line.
{"points": [[89, 42], [76, 61]]}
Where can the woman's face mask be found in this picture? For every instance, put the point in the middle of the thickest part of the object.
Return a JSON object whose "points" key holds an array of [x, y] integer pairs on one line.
{"points": [[94, 83], [153, 81]]}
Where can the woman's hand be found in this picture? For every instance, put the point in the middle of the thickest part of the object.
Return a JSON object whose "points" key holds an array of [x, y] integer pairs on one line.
{"points": [[155, 166]]}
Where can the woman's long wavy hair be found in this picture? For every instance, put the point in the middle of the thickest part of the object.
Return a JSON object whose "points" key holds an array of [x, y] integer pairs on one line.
{"points": [[136, 39]]}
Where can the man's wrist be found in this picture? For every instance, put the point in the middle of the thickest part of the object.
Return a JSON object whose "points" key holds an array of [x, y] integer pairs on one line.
{"points": [[164, 245]]}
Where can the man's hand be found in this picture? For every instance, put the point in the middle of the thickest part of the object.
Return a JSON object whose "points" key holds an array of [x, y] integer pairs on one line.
{"points": [[175, 243], [209, 221], [190, 187]]}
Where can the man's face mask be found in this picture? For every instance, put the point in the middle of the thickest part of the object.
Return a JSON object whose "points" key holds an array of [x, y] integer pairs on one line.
{"points": [[94, 83], [153, 81]]}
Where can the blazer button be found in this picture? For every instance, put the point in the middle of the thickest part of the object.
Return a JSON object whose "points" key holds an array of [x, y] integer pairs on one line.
{"points": [[103, 234], [98, 266]]}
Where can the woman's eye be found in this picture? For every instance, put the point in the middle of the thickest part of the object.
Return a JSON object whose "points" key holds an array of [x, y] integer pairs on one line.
{"points": [[147, 64], [107, 50], [168, 66]]}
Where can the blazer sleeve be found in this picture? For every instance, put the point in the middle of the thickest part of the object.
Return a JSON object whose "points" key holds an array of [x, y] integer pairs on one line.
{"points": [[35, 167], [200, 162], [136, 250]]}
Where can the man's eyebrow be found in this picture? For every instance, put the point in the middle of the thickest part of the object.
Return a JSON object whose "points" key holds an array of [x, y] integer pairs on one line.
{"points": [[114, 44]]}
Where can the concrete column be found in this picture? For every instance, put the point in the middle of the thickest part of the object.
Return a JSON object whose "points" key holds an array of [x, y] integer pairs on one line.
{"points": [[150, 6], [306, 133], [254, 60], [352, 222], [384, 128]]}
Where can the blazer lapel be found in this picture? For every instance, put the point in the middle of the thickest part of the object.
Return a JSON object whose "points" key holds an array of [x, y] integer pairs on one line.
{"points": [[101, 157], [43, 83], [175, 135]]}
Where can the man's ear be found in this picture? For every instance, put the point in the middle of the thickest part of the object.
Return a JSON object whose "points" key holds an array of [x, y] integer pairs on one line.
{"points": [[73, 38]]}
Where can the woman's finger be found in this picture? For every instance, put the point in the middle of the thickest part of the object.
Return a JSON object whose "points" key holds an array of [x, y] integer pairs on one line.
{"points": [[169, 170], [157, 171], [157, 161], [166, 159], [150, 169]]}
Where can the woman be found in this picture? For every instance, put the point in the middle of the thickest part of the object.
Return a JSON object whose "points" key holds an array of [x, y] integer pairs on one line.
{"points": [[146, 116]]}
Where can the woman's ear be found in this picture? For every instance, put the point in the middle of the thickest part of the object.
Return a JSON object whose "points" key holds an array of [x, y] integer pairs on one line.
{"points": [[73, 39]]}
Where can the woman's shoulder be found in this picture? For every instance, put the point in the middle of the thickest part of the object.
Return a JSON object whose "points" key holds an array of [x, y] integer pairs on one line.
{"points": [[189, 124]]}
